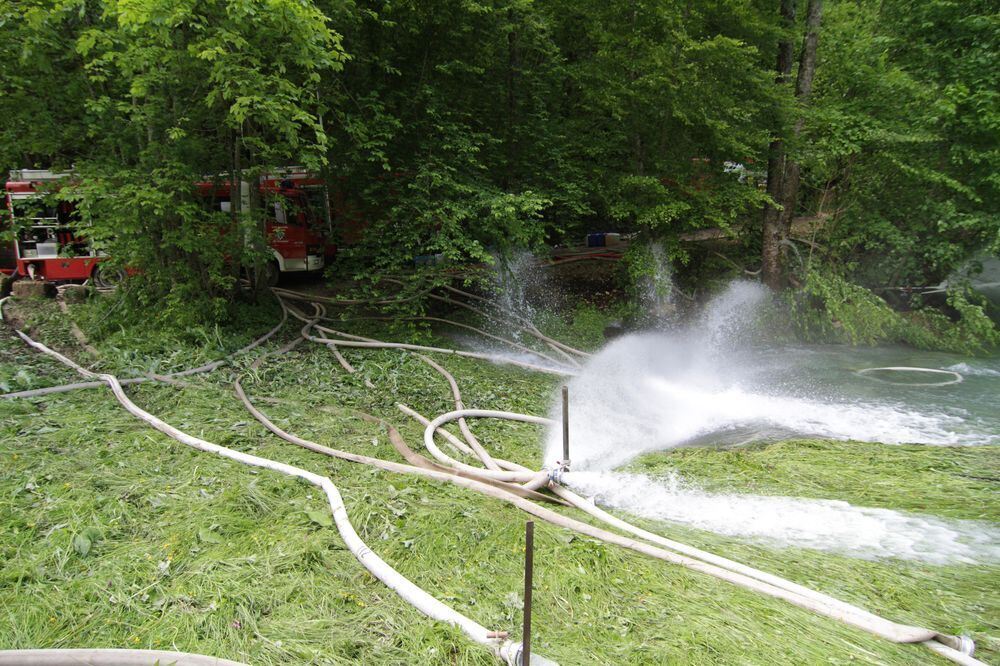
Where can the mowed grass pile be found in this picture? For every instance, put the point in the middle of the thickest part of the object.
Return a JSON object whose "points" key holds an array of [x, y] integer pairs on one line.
{"points": [[112, 535]]}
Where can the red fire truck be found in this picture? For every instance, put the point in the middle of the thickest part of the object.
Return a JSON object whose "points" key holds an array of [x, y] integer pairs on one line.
{"points": [[48, 246], [297, 221]]}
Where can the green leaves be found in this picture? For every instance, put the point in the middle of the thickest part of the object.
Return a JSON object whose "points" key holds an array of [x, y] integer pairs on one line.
{"points": [[902, 136], [84, 540], [321, 517]]}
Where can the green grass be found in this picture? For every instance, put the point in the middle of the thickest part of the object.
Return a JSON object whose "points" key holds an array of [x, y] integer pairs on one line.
{"points": [[190, 551], [956, 482]]}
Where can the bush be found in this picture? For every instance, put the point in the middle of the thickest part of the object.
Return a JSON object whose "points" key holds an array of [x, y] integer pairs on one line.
{"points": [[828, 308]]}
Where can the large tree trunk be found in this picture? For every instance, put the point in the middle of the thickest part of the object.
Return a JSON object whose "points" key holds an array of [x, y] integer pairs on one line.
{"points": [[771, 272], [803, 90]]}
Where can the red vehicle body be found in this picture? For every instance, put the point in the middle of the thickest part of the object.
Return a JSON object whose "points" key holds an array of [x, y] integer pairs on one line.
{"points": [[298, 220], [48, 248]]}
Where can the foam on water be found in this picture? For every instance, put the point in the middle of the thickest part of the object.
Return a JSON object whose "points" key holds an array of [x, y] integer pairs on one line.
{"points": [[827, 525], [973, 370]]}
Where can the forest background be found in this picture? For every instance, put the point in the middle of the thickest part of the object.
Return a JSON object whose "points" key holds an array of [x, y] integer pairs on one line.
{"points": [[473, 129]]}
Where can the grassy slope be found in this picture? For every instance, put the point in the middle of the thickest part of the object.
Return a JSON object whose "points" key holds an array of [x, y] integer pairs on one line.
{"points": [[205, 555]]}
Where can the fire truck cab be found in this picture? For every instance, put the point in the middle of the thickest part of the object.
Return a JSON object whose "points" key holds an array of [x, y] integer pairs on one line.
{"points": [[46, 243], [297, 219]]}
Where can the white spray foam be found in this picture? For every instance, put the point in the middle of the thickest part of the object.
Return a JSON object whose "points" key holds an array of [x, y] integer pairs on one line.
{"points": [[501, 353], [659, 391], [973, 370], [827, 525]]}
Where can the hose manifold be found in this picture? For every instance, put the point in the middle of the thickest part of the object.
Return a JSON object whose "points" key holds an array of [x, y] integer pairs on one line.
{"points": [[556, 473]]}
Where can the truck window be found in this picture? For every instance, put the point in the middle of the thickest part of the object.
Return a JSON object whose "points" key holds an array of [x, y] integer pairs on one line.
{"points": [[279, 213], [36, 210]]}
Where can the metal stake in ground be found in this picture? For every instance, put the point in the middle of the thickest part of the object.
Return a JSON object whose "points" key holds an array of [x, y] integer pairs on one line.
{"points": [[565, 397], [529, 570]]}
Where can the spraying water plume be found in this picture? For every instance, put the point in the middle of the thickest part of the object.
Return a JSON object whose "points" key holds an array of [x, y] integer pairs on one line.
{"points": [[705, 383]]}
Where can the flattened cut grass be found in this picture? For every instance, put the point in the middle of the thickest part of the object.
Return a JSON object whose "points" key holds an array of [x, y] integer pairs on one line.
{"points": [[192, 552], [951, 481]]}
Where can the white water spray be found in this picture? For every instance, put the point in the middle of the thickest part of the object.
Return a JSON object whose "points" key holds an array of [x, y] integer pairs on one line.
{"points": [[828, 525], [973, 370], [657, 288], [658, 391], [515, 277]]}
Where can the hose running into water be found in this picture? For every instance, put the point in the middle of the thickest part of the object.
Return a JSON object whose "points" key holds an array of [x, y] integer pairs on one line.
{"points": [[957, 649], [955, 378]]}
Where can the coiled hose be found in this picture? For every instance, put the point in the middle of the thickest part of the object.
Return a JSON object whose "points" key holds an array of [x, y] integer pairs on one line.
{"points": [[956, 648]]}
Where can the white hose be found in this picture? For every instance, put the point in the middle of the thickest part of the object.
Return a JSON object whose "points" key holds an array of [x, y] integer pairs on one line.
{"points": [[454, 352], [474, 444], [107, 657], [958, 649], [417, 597], [956, 378], [208, 367], [536, 478]]}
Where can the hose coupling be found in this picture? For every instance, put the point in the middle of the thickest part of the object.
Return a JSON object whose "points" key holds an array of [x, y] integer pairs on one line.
{"points": [[556, 473]]}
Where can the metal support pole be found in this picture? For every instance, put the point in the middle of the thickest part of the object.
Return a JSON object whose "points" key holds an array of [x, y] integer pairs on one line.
{"points": [[565, 397], [529, 570]]}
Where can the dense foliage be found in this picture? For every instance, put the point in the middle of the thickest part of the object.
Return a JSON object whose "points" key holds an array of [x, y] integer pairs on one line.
{"points": [[472, 127], [903, 142]]}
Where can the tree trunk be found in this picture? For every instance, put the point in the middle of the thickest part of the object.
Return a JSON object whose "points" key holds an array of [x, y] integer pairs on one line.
{"points": [[771, 272], [803, 90], [511, 75]]}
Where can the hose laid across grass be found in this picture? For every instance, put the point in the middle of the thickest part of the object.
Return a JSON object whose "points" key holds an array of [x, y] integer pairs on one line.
{"points": [[947, 646], [506, 650], [107, 657], [347, 340], [168, 378], [958, 649]]}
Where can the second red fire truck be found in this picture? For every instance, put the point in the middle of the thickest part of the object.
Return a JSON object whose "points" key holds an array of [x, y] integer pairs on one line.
{"points": [[49, 244]]}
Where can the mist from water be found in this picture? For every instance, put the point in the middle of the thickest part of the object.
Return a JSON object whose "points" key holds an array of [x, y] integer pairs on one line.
{"points": [[706, 384], [659, 390]]}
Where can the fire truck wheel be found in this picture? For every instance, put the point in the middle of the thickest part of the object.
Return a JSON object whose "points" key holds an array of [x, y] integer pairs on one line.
{"points": [[269, 274], [106, 277]]}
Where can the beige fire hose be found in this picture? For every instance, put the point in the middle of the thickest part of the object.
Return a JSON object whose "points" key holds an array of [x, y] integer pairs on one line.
{"points": [[346, 340], [762, 582], [958, 649], [955, 648], [506, 650], [108, 657], [167, 378]]}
